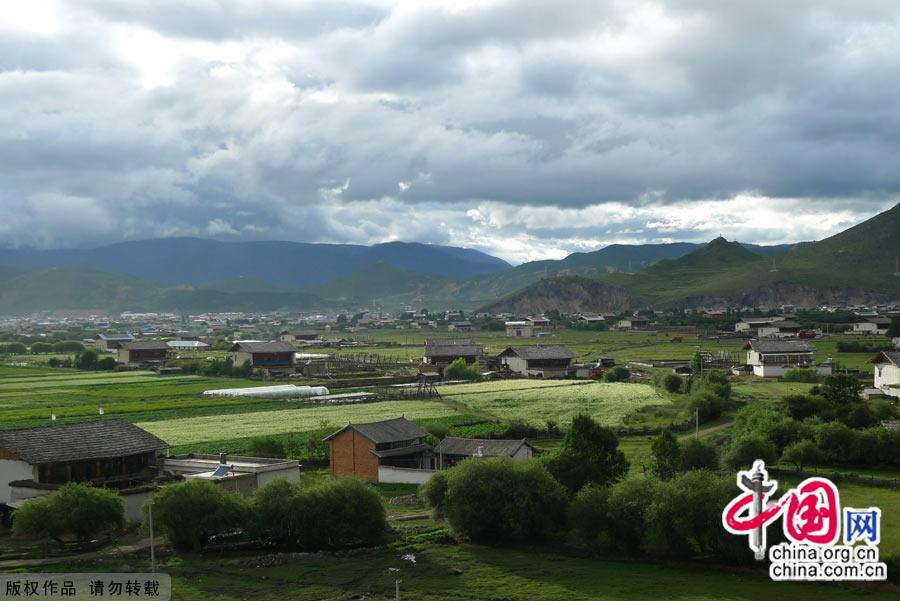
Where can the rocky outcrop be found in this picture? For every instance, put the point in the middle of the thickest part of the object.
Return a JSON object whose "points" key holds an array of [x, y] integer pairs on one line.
{"points": [[570, 294]]}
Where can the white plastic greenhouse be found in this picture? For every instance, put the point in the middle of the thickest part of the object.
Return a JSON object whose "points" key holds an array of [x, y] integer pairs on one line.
{"points": [[281, 391]]}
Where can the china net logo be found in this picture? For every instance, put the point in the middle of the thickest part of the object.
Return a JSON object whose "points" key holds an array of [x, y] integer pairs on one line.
{"points": [[817, 548]]}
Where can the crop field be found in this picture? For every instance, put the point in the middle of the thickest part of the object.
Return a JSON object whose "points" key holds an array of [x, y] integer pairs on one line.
{"points": [[608, 403]]}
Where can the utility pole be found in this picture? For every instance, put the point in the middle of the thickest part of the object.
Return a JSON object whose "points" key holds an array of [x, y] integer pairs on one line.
{"points": [[397, 589], [152, 549]]}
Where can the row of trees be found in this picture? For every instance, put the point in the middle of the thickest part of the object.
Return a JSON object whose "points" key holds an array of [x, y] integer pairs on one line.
{"points": [[218, 367]]}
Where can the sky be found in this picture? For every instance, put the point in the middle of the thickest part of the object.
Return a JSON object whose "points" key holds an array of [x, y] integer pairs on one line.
{"points": [[527, 129]]}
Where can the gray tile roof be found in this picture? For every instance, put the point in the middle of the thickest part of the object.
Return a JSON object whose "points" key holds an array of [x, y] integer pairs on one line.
{"points": [[263, 347], [543, 351], [390, 430], [453, 347], [401, 451], [489, 447], [149, 345], [781, 346], [98, 439], [892, 357]]}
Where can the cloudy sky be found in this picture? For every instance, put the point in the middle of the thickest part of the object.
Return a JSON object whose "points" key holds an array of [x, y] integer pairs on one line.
{"points": [[525, 128]]}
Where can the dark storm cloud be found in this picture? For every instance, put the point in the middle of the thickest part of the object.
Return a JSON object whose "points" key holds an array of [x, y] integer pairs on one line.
{"points": [[526, 128]]}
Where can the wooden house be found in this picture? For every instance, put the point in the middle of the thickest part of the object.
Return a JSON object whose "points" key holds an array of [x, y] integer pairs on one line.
{"points": [[142, 353], [298, 336], [772, 358], [393, 450], [111, 342], [442, 352], [544, 361], [452, 450], [273, 355]]}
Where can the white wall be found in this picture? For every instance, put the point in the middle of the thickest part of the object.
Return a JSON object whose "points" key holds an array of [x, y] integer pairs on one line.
{"points": [[887, 374], [403, 475], [10, 471]]}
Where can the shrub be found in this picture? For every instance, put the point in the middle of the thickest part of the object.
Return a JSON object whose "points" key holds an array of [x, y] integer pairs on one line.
{"points": [[618, 373], [801, 406], [697, 454], [68, 346], [79, 510], [434, 493], [494, 500], [87, 360], [708, 405], [666, 455], [802, 453], [589, 513], [837, 442], [39, 348], [189, 513], [808, 375], [744, 451], [629, 502], [337, 513], [266, 446], [460, 370], [589, 453], [672, 383], [106, 363], [860, 416]]}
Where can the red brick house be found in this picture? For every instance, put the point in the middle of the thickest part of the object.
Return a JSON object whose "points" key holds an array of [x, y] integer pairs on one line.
{"points": [[361, 449]]}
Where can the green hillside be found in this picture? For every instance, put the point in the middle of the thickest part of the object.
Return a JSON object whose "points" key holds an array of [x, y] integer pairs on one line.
{"points": [[385, 284]]}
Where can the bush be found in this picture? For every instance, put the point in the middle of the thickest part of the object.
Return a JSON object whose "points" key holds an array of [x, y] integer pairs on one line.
{"points": [[68, 346], [589, 513], [79, 510], [837, 442], [266, 446], [189, 513], [744, 451], [666, 455], [801, 406], [672, 383], [14, 348], [802, 453], [629, 502], [808, 375], [336, 513], [708, 405], [460, 370], [589, 454], [697, 454], [106, 363], [496, 499], [434, 493], [617, 374], [87, 360], [39, 348]]}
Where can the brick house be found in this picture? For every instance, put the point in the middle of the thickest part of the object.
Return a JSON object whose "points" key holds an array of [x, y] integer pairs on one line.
{"points": [[365, 450]]}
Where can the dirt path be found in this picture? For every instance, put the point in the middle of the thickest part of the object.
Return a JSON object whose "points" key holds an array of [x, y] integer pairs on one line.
{"points": [[105, 552]]}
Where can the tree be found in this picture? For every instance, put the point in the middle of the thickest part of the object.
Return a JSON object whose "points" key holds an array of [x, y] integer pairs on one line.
{"points": [[894, 328], [79, 510], [245, 370], [433, 493], [68, 346], [801, 406], [460, 370], [666, 455], [39, 348], [189, 513], [87, 360], [840, 389], [15, 348], [697, 455], [744, 451], [801, 453], [672, 383], [589, 513], [629, 503], [106, 363], [266, 446], [618, 373], [589, 453], [496, 499], [697, 363]]}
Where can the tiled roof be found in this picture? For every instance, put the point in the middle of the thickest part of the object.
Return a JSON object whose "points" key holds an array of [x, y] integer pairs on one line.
{"points": [[98, 439], [150, 345], [263, 347], [391, 430], [781, 346], [470, 447], [548, 351]]}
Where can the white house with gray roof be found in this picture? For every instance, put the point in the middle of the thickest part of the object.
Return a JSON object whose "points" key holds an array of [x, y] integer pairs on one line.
{"points": [[771, 358], [887, 373]]}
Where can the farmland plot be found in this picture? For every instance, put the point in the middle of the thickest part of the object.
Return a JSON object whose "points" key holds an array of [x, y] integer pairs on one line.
{"points": [[608, 403], [217, 427]]}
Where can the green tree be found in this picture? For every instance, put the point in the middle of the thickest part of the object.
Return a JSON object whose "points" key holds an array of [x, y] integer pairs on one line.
{"points": [[460, 370], [744, 451], [696, 454], [802, 453], [697, 363], [79, 510], [672, 383], [15, 348], [266, 446], [189, 513], [618, 373], [589, 513], [840, 390], [589, 453], [39, 348], [106, 363], [801, 406], [245, 370], [629, 505], [433, 493], [894, 328], [666, 455], [68, 346], [87, 360], [496, 499]]}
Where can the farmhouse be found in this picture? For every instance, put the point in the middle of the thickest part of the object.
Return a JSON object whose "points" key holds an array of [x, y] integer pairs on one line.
{"points": [[110, 342], [519, 329], [187, 345], [295, 336], [779, 329], [442, 352], [540, 325], [751, 325], [872, 325], [460, 326], [887, 373], [110, 452], [393, 450], [452, 450], [545, 361], [633, 323], [142, 353], [234, 474], [266, 355], [771, 358]]}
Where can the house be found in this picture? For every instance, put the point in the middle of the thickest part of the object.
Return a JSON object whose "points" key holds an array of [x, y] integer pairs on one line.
{"points": [[443, 352], [545, 361], [295, 336], [872, 325], [112, 453], [460, 326], [110, 342], [887, 373], [779, 329], [633, 323], [452, 450], [591, 318], [751, 325], [233, 474], [265, 355], [141, 353], [540, 325], [188, 345], [519, 329], [771, 358], [393, 450]]}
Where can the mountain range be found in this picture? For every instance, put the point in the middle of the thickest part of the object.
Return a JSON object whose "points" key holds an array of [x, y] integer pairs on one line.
{"points": [[192, 275]]}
